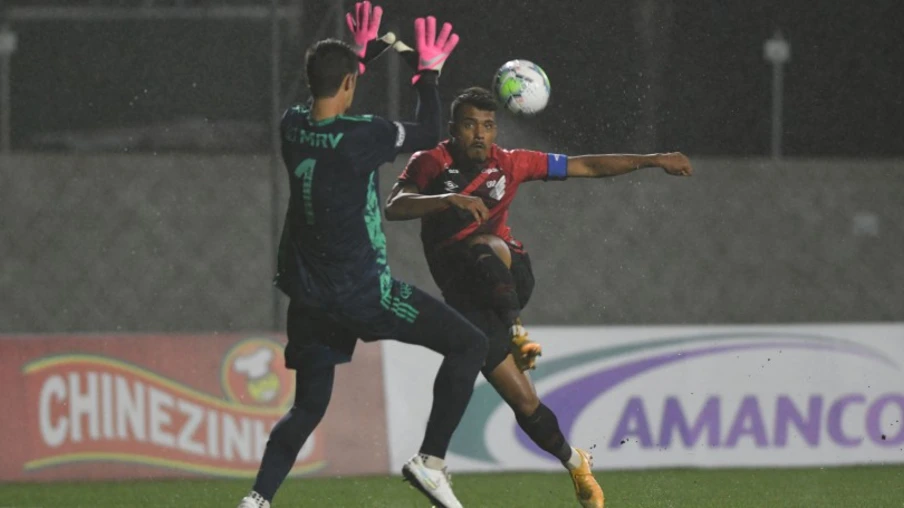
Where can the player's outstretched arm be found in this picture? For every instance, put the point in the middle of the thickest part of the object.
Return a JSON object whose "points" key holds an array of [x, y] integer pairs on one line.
{"points": [[599, 166], [432, 51], [406, 203], [425, 132]]}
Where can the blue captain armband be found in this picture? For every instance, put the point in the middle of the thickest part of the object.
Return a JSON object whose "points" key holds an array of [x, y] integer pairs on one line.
{"points": [[557, 167]]}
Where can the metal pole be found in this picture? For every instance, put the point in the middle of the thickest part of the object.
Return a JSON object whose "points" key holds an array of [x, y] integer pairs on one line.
{"points": [[339, 20], [393, 88], [8, 42], [275, 153], [777, 51], [91, 13], [5, 103], [777, 91]]}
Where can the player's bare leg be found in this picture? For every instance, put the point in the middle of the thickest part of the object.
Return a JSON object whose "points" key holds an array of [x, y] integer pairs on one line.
{"points": [[496, 244], [494, 259], [542, 426]]}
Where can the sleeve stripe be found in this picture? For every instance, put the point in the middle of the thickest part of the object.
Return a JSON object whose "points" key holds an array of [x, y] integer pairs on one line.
{"points": [[400, 134], [557, 167]]}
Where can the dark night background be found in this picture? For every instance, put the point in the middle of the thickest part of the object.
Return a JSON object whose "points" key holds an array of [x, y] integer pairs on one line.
{"points": [[626, 75], [143, 180]]}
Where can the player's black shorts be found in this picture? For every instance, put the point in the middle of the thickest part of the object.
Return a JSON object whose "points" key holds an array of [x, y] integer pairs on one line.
{"points": [[328, 335], [457, 276]]}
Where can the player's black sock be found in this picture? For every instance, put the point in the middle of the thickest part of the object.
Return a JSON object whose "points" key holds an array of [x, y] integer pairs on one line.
{"points": [[312, 396], [451, 393], [499, 281], [543, 428], [464, 350]]}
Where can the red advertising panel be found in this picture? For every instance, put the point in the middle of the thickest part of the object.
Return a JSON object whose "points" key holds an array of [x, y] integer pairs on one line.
{"points": [[115, 406]]}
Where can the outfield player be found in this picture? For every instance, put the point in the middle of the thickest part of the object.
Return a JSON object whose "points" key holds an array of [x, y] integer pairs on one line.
{"points": [[332, 257], [481, 269]]}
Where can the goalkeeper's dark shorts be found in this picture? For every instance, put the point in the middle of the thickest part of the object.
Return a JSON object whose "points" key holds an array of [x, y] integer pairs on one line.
{"points": [[319, 336], [456, 275]]}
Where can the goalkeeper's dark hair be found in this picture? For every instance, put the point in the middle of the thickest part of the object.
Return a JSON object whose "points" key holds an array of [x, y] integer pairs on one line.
{"points": [[326, 64], [480, 98]]}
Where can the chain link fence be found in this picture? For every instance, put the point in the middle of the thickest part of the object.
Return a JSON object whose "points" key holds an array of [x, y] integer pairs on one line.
{"points": [[135, 243], [137, 202], [186, 243]]}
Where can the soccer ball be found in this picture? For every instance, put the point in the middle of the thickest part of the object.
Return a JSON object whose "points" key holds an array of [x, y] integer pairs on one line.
{"points": [[522, 87]]}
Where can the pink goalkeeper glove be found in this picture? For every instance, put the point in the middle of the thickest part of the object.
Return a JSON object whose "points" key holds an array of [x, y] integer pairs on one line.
{"points": [[432, 49], [364, 26]]}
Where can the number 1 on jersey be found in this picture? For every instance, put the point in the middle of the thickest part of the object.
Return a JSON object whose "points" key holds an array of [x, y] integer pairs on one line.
{"points": [[305, 171]]}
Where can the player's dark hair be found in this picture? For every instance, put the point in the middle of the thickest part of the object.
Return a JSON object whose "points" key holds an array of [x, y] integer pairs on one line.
{"points": [[326, 64], [480, 98]]}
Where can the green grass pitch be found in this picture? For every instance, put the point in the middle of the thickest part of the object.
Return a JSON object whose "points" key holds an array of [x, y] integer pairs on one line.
{"points": [[873, 487]]}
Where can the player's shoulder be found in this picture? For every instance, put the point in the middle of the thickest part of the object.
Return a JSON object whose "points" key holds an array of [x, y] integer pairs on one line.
{"points": [[515, 153], [295, 114], [365, 122], [298, 110], [365, 128], [353, 120], [437, 156], [301, 113], [518, 157]]}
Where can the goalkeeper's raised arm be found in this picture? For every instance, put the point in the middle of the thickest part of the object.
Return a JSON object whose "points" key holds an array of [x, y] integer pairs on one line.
{"points": [[431, 51], [427, 60]]}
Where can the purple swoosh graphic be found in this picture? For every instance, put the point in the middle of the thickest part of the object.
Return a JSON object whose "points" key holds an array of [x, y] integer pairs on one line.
{"points": [[568, 401]]}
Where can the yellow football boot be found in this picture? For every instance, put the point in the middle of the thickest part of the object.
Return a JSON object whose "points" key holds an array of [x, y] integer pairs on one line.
{"points": [[524, 351], [586, 488]]}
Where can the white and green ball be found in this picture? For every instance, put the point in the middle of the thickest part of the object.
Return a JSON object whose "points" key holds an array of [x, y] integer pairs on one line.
{"points": [[522, 87]]}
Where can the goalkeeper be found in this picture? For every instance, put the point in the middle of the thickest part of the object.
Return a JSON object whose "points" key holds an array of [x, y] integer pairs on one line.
{"points": [[332, 255]]}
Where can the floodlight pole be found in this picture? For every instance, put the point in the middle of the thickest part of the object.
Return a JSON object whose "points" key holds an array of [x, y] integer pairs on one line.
{"points": [[777, 51], [8, 43], [394, 87], [275, 154]]}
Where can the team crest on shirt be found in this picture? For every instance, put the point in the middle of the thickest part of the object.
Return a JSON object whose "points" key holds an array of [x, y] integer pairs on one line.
{"points": [[451, 186], [497, 188]]}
